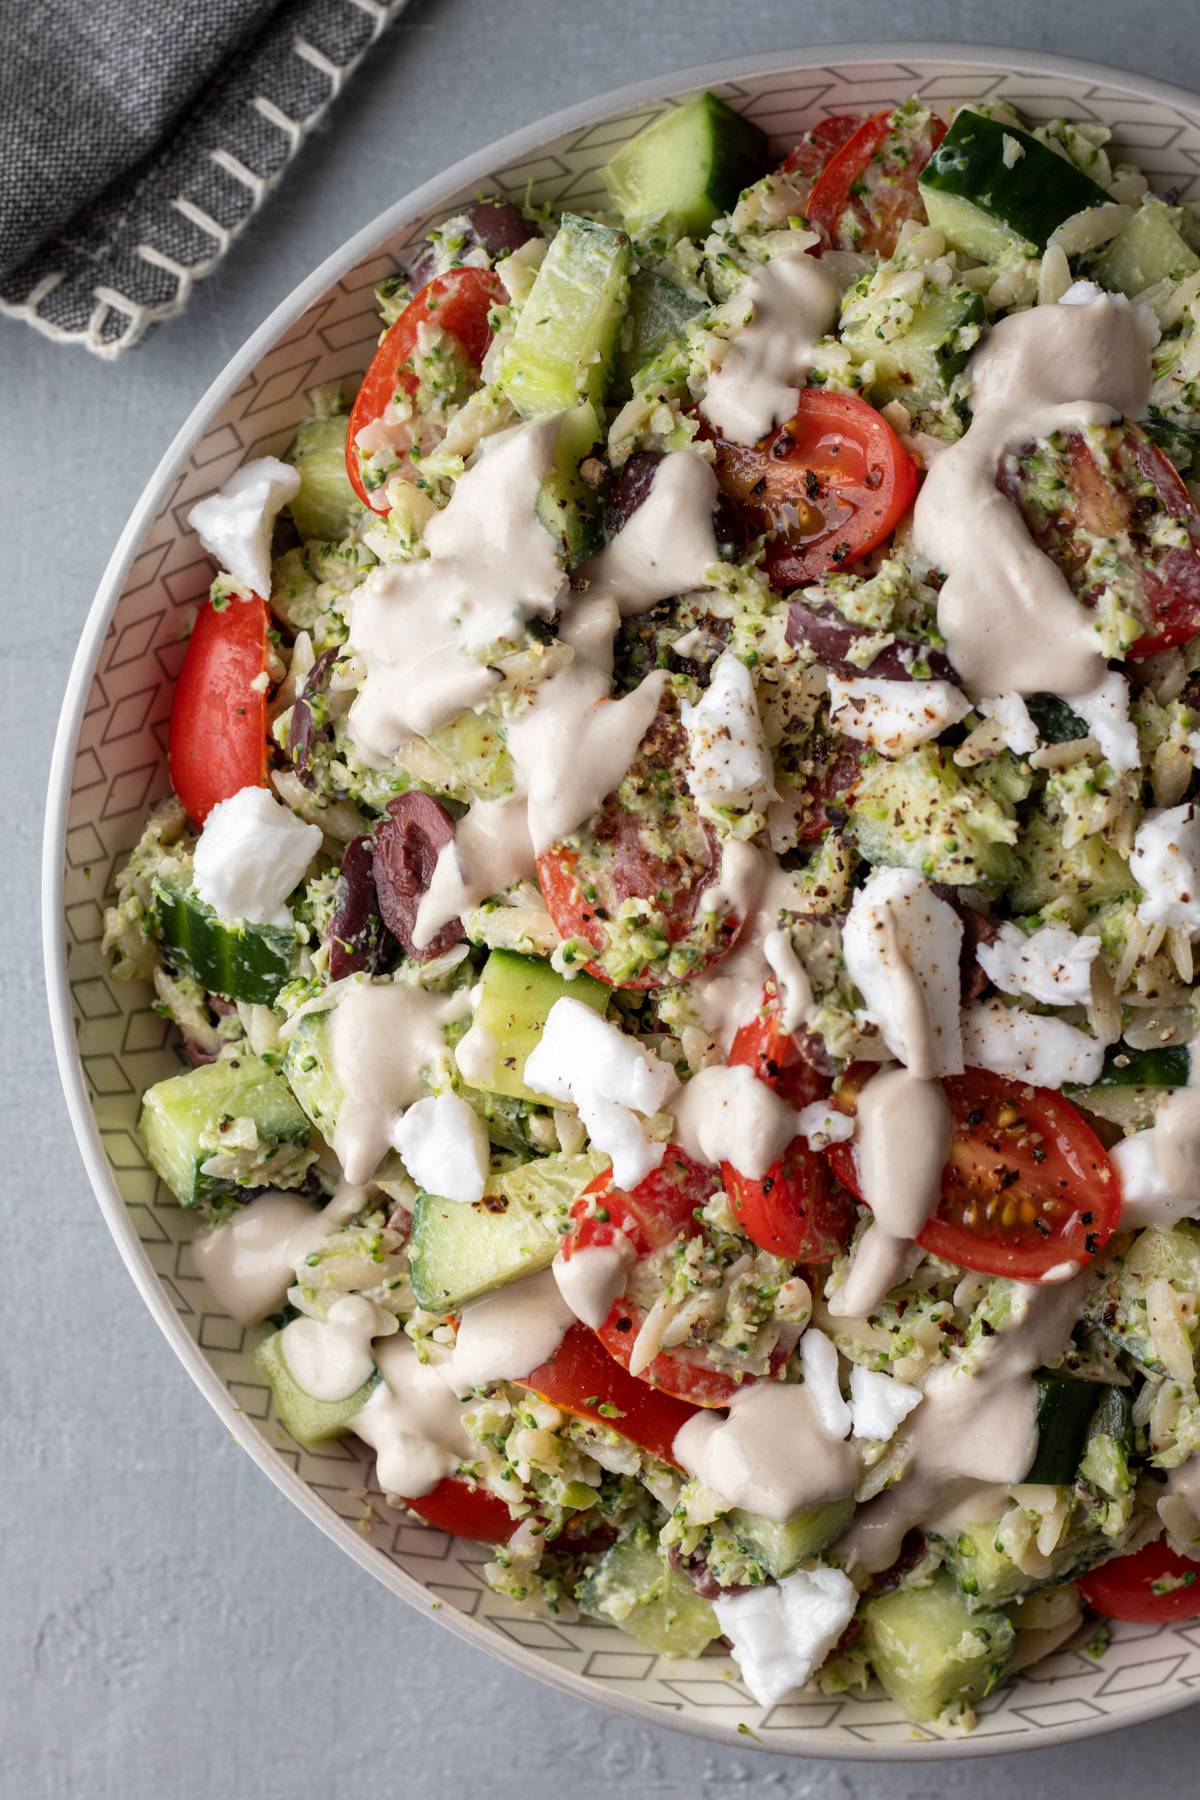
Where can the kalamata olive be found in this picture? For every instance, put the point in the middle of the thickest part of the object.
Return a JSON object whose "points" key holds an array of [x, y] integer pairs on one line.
{"points": [[406, 853], [629, 489], [303, 730], [358, 939], [977, 929], [832, 638], [501, 227]]}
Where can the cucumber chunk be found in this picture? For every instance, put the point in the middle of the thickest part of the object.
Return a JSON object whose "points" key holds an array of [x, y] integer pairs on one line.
{"points": [[690, 165], [190, 1119], [567, 506], [1155, 1255], [919, 367], [229, 957], [308, 1420], [308, 1066], [326, 506], [1130, 1089], [919, 813], [631, 1586], [782, 1547], [516, 994], [1065, 1409], [931, 1652], [565, 341], [987, 1576], [658, 311], [1149, 250], [460, 1252], [994, 191]]}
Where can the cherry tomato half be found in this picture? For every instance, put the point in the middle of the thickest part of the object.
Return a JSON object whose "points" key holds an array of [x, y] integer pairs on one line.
{"points": [[581, 1378], [810, 153], [826, 488], [795, 1210], [217, 740], [460, 303], [465, 1511], [1154, 1586], [651, 1216], [868, 188], [1027, 1186]]}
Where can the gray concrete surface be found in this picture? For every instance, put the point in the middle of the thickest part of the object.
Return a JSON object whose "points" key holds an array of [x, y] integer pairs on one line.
{"points": [[170, 1628]]}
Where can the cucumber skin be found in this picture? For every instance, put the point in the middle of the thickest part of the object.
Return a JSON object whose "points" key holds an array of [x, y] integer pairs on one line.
{"points": [[658, 312], [1023, 203], [686, 168], [1065, 1410], [237, 960]]}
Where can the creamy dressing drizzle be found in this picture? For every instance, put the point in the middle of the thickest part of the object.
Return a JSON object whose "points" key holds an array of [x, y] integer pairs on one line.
{"points": [[507, 1333], [413, 1422], [490, 850], [1009, 617], [794, 301], [976, 1423], [728, 1115], [771, 1455], [752, 886], [331, 1357], [594, 1277], [668, 545], [250, 1262], [491, 564], [382, 1037], [1159, 1169]]}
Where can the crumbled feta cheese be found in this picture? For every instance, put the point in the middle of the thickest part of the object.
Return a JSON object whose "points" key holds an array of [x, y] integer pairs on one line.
{"points": [[1053, 964], [879, 1403], [901, 944], [819, 1362], [823, 1125], [1105, 712], [235, 524], [782, 1632], [1165, 862], [444, 1146], [1082, 293], [894, 716], [610, 1078], [728, 760], [250, 855], [1029, 1046], [1012, 716]]}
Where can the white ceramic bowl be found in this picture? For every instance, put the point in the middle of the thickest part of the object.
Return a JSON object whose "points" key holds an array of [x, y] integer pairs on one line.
{"points": [[109, 766]]}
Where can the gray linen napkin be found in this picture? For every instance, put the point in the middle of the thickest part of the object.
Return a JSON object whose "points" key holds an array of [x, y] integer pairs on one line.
{"points": [[137, 137]]}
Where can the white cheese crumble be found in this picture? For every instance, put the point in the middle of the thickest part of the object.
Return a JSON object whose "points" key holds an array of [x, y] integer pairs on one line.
{"points": [[728, 760], [251, 853], [1053, 964], [819, 1363], [1165, 863], [1029, 1046], [781, 1633], [901, 944], [1011, 714], [879, 1404], [1105, 712], [611, 1079], [235, 524], [893, 717], [444, 1146]]}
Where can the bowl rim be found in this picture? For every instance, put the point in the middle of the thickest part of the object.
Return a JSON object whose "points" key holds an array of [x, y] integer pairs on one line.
{"points": [[84, 666]]}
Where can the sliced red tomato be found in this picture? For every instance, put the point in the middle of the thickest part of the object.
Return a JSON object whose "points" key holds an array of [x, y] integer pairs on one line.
{"points": [[868, 188], [460, 303], [651, 1216], [1027, 1187], [1115, 483], [217, 740], [796, 1210], [826, 488], [1154, 1586], [581, 1378], [810, 154], [647, 842], [465, 1511]]}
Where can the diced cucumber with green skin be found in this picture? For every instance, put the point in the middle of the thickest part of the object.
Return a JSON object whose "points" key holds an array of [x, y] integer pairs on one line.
{"points": [[567, 506], [631, 1586], [1149, 250], [185, 1118], [1090, 872], [460, 1252], [308, 1066], [918, 813], [229, 957], [685, 169], [658, 312], [782, 1547], [1065, 1410], [309, 1421], [1131, 1087], [565, 341], [1054, 719], [1155, 1255], [1179, 439], [516, 995], [987, 1576], [993, 191], [930, 1651], [919, 367], [326, 506]]}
